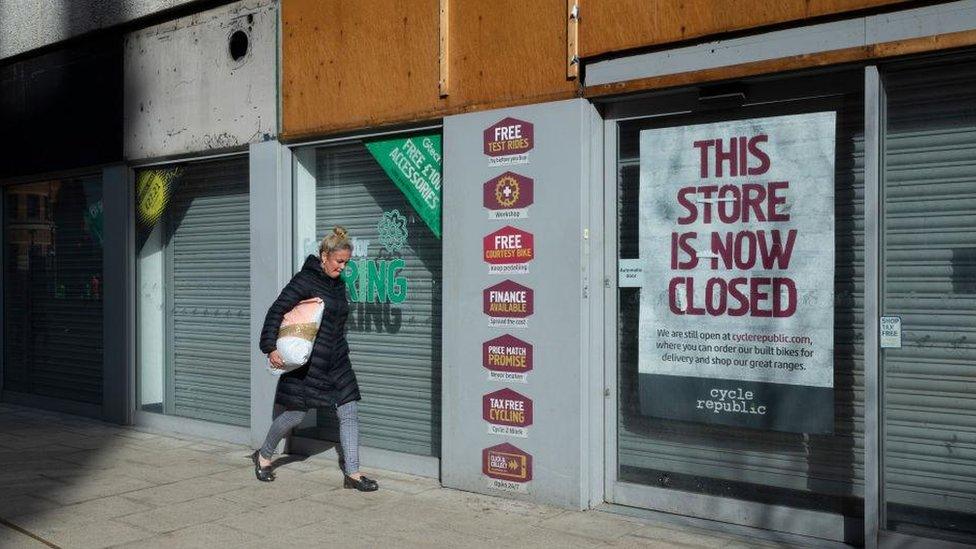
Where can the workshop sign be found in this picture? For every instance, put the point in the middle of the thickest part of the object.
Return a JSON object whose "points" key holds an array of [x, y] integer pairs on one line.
{"points": [[508, 196], [737, 263]]}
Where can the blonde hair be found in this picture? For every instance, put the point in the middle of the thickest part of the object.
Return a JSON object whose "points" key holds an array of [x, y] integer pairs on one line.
{"points": [[338, 239]]}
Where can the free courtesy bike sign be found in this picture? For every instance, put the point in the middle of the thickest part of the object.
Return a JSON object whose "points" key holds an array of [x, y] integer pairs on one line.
{"points": [[508, 250]]}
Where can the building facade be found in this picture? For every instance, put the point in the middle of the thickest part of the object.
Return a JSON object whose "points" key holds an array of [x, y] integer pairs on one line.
{"points": [[710, 259]]}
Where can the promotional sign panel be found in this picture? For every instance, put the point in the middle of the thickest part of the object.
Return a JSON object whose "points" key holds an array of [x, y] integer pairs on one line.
{"points": [[507, 413], [508, 141], [508, 250], [508, 196], [508, 304], [737, 293], [507, 467], [507, 358], [414, 166]]}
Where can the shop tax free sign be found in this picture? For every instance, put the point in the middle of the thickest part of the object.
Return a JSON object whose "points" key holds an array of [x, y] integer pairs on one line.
{"points": [[508, 250]]}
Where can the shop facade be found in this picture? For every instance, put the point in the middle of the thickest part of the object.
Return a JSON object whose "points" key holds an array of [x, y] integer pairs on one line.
{"points": [[719, 274]]}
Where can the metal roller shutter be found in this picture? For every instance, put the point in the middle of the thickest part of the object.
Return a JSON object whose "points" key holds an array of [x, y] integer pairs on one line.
{"points": [[208, 293], [395, 348], [766, 466], [53, 301], [930, 282]]}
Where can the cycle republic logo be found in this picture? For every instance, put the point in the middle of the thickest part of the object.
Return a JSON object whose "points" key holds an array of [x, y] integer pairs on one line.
{"points": [[380, 279]]}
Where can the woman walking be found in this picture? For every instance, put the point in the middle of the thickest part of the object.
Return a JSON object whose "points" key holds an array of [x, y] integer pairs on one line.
{"points": [[327, 380]]}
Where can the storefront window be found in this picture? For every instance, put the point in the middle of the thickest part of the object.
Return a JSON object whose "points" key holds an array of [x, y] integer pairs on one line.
{"points": [[193, 281], [393, 280], [53, 290], [708, 404], [928, 342]]}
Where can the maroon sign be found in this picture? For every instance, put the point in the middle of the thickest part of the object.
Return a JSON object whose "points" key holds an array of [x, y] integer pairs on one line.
{"points": [[506, 462], [506, 354], [509, 136], [508, 245], [508, 191], [508, 300], [507, 407]]}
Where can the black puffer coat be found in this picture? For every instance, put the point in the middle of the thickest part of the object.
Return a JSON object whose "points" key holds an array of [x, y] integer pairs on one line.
{"points": [[327, 379]]}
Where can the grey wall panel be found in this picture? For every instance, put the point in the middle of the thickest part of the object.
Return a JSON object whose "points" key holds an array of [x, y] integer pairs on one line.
{"points": [[185, 93], [31, 24], [558, 437]]}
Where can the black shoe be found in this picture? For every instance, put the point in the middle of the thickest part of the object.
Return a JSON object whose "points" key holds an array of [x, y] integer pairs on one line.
{"points": [[264, 474], [363, 484]]}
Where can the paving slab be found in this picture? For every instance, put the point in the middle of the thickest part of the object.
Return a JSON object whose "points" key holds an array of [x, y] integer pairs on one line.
{"points": [[90, 535], [593, 525], [185, 514], [180, 491], [281, 519], [80, 513], [203, 536], [12, 539]]}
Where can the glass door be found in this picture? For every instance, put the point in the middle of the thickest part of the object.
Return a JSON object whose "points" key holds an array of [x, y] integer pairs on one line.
{"points": [[729, 446]]}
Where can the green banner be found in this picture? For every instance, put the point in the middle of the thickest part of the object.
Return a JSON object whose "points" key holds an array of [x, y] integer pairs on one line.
{"points": [[414, 165]]}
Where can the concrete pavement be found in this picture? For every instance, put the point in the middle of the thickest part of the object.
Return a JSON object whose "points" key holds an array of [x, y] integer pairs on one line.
{"points": [[71, 482]]}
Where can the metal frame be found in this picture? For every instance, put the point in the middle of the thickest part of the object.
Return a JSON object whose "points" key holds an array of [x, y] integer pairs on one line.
{"points": [[781, 518], [857, 32], [873, 117]]}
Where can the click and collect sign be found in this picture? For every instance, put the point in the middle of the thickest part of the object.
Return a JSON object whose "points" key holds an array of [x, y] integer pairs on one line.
{"points": [[737, 266]]}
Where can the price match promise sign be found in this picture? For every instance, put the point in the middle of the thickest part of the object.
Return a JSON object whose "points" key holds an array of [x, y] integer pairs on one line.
{"points": [[737, 249]]}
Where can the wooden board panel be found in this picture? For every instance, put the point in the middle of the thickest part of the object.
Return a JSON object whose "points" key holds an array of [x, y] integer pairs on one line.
{"points": [[614, 25], [349, 65]]}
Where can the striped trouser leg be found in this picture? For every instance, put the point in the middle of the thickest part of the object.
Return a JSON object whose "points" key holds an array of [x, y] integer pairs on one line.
{"points": [[349, 435], [288, 420]]}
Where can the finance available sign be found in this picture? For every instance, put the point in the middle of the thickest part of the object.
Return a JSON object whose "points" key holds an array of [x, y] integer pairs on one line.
{"points": [[737, 272], [508, 304]]}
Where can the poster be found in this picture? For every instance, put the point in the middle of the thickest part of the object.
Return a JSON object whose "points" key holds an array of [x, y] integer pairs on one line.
{"points": [[414, 166], [737, 257]]}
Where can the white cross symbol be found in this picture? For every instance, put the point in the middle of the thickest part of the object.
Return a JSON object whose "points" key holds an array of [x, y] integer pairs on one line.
{"points": [[507, 191]]}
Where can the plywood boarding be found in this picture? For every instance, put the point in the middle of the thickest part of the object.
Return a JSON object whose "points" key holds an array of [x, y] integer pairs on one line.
{"points": [[614, 25], [350, 65]]}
